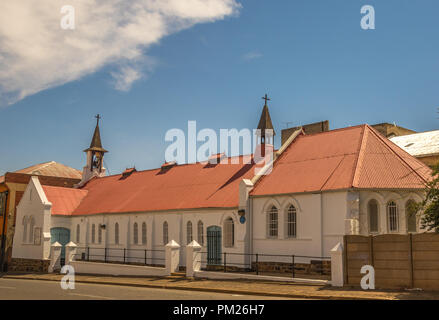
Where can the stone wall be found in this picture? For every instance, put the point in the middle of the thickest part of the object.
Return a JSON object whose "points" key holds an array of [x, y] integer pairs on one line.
{"points": [[28, 265], [315, 267]]}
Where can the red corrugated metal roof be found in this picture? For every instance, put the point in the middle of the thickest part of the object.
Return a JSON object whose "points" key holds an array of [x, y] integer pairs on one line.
{"points": [[187, 186], [354, 157], [64, 200]]}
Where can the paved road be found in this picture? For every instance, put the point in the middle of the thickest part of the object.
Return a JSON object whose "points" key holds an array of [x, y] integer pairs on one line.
{"points": [[51, 290]]}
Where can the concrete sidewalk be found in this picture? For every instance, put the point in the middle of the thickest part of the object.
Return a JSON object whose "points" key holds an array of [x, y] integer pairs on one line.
{"points": [[274, 289]]}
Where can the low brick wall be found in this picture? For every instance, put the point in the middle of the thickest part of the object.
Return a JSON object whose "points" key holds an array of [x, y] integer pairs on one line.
{"points": [[315, 267], [29, 265]]}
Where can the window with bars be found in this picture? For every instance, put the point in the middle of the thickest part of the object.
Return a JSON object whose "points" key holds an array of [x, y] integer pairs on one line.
{"points": [[229, 233], [200, 233], [165, 233], [392, 213], [136, 233], [144, 233], [116, 233], [78, 233], [292, 222], [189, 236], [372, 209], [272, 217]]}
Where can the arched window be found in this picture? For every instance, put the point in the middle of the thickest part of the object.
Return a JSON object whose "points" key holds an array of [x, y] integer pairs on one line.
{"points": [[272, 223], [189, 236], [291, 222], [31, 229], [410, 211], [99, 233], [200, 233], [165, 233], [24, 229], [78, 233], [392, 216], [372, 212], [93, 233], [136, 233], [144, 233], [116, 233], [229, 233]]}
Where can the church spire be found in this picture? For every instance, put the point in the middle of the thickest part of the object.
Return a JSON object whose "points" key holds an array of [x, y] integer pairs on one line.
{"points": [[95, 157], [96, 144], [265, 122]]}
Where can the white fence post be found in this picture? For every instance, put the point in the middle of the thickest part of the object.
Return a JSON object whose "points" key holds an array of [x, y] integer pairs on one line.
{"points": [[172, 257], [193, 258], [337, 277], [70, 252], [55, 257]]}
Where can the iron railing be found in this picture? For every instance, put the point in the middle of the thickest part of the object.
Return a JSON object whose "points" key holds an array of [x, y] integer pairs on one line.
{"points": [[258, 263], [148, 257]]}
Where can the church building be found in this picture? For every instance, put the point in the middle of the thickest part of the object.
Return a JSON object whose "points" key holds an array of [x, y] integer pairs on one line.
{"points": [[322, 186]]}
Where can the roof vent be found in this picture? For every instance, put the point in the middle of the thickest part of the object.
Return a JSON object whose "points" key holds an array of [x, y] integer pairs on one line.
{"points": [[216, 158], [128, 172], [168, 165]]}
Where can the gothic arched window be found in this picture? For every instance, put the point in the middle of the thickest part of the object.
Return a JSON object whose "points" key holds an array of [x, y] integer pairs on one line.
{"points": [[372, 212], [144, 233], [272, 222], [392, 216], [229, 233], [292, 222]]}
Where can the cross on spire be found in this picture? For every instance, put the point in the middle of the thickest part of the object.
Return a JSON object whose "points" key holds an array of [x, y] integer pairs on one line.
{"points": [[98, 117], [266, 98]]}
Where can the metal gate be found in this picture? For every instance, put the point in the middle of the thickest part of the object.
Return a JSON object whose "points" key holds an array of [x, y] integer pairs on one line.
{"points": [[214, 245], [62, 235]]}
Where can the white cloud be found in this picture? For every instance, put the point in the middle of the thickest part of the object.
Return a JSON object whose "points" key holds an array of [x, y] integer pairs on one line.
{"points": [[36, 54], [252, 55]]}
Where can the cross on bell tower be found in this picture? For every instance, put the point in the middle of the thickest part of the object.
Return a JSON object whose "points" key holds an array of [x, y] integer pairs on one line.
{"points": [[95, 156], [265, 125]]}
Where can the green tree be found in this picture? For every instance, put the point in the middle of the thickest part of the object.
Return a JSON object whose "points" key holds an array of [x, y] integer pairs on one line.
{"points": [[430, 205]]}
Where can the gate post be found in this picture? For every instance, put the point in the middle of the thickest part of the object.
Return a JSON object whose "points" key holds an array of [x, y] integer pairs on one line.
{"points": [[70, 252], [193, 258], [55, 257], [337, 277], [172, 257]]}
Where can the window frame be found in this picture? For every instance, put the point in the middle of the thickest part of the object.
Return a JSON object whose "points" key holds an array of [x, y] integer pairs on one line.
{"points": [[144, 233], [411, 215], [369, 216], [135, 233], [165, 231], [116, 233], [189, 232], [392, 216], [291, 223], [229, 233], [200, 233], [272, 224]]}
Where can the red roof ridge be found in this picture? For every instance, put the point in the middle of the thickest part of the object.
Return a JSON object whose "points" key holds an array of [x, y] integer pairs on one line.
{"points": [[387, 144], [336, 130], [360, 156]]}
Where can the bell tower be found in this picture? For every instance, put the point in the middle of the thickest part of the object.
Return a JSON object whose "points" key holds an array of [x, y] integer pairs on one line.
{"points": [[95, 157], [265, 133]]}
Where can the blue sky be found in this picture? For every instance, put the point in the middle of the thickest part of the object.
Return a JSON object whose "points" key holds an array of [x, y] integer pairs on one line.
{"points": [[310, 56]]}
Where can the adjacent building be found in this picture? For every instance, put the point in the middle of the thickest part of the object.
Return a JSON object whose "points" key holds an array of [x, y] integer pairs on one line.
{"points": [[12, 187]]}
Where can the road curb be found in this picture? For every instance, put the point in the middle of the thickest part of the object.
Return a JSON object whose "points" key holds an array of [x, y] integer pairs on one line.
{"points": [[229, 291]]}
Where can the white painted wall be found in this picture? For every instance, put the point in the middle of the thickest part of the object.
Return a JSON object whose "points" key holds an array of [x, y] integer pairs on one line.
{"points": [[33, 204]]}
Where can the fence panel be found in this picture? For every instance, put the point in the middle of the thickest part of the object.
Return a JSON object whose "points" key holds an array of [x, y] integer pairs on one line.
{"points": [[426, 261], [400, 261]]}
